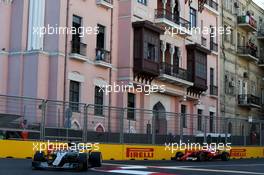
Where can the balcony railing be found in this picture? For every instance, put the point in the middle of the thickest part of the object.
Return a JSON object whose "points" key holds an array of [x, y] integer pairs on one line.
{"points": [[247, 50], [204, 41], [174, 71], [102, 55], [213, 90], [78, 47], [164, 13], [212, 4], [247, 21], [248, 100], [213, 46]]}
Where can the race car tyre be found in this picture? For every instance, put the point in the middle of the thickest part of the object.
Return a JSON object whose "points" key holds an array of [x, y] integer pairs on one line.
{"points": [[95, 159], [83, 162], [225, 156], [201, 156], [179, 155]]}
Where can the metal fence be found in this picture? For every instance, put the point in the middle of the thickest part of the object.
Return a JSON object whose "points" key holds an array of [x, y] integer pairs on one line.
{"points": [[40, 119]]}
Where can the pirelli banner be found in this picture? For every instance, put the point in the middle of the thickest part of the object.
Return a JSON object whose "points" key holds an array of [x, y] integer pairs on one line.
{"points": [[26, 149]]}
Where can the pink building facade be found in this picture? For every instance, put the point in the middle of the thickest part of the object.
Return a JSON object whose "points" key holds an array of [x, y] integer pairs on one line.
{"points": [[124, 43]]}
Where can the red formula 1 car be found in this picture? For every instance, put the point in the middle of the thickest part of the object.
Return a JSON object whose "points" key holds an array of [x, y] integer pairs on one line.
{"points": [[202, 155]]}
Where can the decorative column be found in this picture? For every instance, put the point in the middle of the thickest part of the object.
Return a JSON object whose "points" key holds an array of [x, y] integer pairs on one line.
{"points": [[163, 50], [35, 24], [172, 8], [172, 51], [164, 2]]}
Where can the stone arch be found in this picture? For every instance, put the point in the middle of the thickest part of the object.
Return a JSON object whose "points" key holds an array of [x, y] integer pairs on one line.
{"points": [[159, 112], [99, 128], [75, 124]]}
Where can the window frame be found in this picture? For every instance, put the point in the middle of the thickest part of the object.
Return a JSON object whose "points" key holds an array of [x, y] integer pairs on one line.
{"points": [[98, 101], [74, 95], [193, 17], [183, 115], [131, 105]]}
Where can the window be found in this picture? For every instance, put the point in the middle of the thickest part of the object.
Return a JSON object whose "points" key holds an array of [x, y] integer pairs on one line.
{"points": [[229, 128], [201, 67], [193, 17], [232, 36], [74, 95], [243, 41], [183, 114], [199, 120], [239, 39], [151, 52], [98, 101], [143, 2], [262, 96], [76, 38], [211, 127], [211, 76], [131, 106], [100, 40], [225, 34]]}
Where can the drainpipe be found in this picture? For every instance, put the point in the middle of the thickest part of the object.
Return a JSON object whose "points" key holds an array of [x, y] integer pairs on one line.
{"points": [[224, 60], [110, 72], [66, 52], [65, 59]]}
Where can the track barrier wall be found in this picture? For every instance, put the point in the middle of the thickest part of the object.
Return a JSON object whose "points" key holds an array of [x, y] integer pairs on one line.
{"points": [[24, 149]]}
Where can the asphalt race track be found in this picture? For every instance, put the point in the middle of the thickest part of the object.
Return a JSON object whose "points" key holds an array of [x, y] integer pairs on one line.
{"points": [[232, 167]]}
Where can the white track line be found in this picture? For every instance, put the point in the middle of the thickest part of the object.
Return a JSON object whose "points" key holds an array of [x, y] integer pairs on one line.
{"points": [[192, 168], [131, 172], [210, 170]]}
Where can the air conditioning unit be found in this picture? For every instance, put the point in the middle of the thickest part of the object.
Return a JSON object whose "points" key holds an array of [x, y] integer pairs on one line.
{"points": [[232, 83]]}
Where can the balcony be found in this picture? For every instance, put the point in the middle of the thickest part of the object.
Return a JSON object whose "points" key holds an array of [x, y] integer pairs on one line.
{"points": [[105, 3], [174, 74], [213, 46], [247, 52], [247, 22], [177, 25], [212, 5], [147, 67], [213, 90], [260, 35], [146, 51], [102, 58], [78, 51], [197, 65], [249, 100]]}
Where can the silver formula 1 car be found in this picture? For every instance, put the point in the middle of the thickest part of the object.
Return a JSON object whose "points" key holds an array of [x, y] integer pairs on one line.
{"points": [[68, 160]]}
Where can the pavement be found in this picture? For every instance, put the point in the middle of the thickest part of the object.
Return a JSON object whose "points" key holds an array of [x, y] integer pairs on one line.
{"points": [[232, 167]]}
